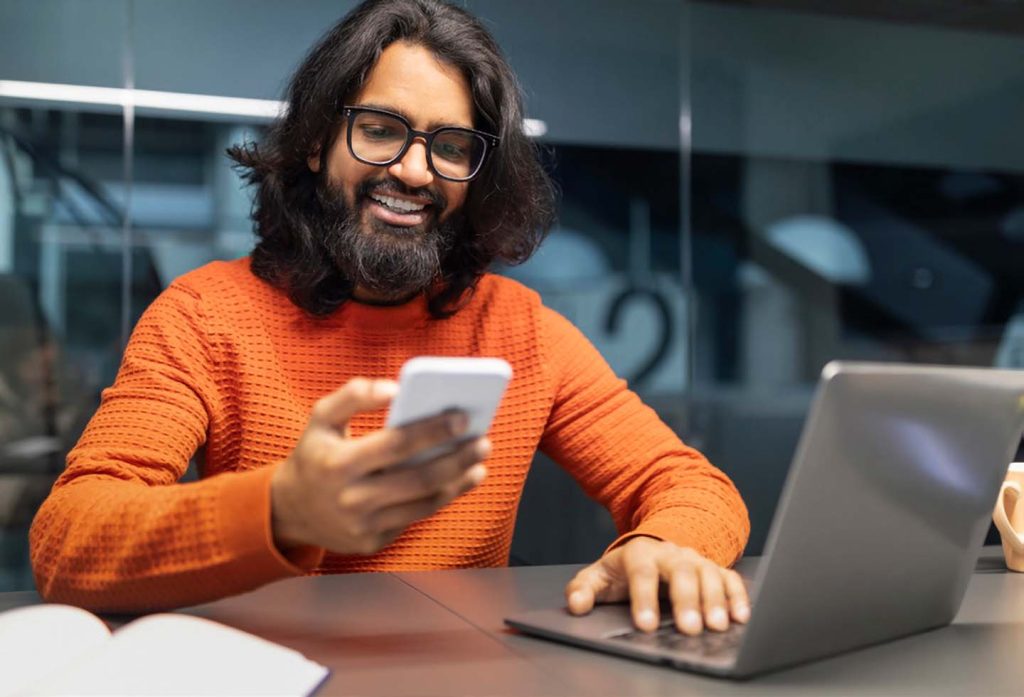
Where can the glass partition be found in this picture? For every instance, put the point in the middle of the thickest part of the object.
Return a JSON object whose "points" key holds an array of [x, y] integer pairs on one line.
{"points": [[858, 193], [63, 257]]}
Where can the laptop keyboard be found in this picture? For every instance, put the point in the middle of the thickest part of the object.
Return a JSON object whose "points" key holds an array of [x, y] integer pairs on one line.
{"points": [[668, 638]]}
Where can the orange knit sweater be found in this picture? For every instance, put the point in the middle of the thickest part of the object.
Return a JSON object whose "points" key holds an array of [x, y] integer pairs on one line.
{"points": [[224, 362]]}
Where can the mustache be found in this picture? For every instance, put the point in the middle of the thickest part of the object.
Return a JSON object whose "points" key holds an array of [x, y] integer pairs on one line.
{"points": [[387, 185]]}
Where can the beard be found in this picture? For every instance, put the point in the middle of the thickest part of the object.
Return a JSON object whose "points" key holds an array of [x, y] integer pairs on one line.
{"points": [[393, 262]]}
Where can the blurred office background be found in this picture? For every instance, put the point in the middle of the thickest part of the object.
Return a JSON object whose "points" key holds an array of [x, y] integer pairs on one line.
{"points": [[750, 189]]}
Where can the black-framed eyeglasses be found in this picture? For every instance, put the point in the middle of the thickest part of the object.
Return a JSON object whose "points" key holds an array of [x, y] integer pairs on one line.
{"points": [[379, 137]]}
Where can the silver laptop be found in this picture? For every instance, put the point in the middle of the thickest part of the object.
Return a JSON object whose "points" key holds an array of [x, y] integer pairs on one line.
{"points": [[881, 520]]}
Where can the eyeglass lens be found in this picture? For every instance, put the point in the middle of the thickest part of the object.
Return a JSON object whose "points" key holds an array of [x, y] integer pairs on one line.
{"points": [[379, 138]]}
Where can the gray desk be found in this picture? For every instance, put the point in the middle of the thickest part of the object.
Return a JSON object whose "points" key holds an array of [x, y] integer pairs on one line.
{"points": [[441, 633]]}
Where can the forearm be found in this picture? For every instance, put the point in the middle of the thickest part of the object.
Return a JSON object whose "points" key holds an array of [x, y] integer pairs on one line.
{"points": [[120, 546], [673, 494], [625, 457]]}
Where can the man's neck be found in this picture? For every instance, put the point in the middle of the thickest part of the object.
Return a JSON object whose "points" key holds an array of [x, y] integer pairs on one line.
{"points": [[368, 297]]}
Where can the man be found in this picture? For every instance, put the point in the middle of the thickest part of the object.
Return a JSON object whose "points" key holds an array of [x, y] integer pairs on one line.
{"points": [[398, 175]]}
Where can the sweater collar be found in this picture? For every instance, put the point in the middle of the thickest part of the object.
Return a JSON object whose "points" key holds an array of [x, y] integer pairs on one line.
{"points": [[385, 318]]}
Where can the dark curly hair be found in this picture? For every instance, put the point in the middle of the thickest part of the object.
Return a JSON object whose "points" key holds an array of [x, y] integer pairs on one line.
{"points": [[509, 207]]}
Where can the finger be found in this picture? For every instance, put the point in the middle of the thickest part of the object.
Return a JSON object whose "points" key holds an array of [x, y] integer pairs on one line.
{"points": [[712, 593], [582, 591], [401, 485], [400, 516], [355, 396], [643, 593], [392, 446], [580, 601], [739, 601], [684, 592]]}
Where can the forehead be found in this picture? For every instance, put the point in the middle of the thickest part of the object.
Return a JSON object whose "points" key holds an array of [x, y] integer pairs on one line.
{"points": [[409, 79]]}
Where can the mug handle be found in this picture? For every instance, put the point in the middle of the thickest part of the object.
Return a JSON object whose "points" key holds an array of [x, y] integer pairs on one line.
{"points": [[1012, 537]]}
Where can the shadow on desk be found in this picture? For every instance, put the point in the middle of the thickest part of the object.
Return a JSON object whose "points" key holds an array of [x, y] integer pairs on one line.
{"points": [[993, 564]]}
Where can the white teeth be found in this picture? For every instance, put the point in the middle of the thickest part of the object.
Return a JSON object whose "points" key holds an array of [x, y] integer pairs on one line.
{"points": [[398, 204]]}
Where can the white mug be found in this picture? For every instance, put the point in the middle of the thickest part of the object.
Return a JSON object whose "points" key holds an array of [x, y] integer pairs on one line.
{"points": [[1009, 517]]}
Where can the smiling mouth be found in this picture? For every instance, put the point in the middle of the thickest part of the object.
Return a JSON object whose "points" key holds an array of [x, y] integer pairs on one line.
{"points": [[398, 212], [398, 205]]}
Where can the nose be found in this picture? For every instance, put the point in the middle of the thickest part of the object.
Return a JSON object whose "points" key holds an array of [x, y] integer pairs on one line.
{"points": [[413, 169]]}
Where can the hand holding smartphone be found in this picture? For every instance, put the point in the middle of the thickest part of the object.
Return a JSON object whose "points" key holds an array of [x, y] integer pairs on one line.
{"points": [[430, 385], [382, 496]]}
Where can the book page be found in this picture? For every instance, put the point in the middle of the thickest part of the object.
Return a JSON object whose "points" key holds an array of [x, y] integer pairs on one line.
{"points": [[172, 654], [40, 640]]}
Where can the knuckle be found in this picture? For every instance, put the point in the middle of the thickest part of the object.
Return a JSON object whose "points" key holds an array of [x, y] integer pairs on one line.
{"points": [[691, 555], [469, 454], [644, 572], [588, 574], [426, 477], [438, 428], [451, 492], [462, 486], [446, 476], [308, 457], [351, 500], [710, 576], [319, 452], [417, 480], [320, 410], [403, 442], [358, 387], [713, 573]]}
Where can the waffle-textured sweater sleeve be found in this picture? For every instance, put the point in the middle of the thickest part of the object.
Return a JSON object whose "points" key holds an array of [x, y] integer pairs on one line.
{"points": [[624, 456], [118, 532]]}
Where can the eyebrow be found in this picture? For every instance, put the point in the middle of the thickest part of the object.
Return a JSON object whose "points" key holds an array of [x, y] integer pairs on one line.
{"points": [[432, 126]]}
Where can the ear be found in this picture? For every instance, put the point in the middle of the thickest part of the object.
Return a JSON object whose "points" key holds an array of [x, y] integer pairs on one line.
{"points": [[313, 161]]}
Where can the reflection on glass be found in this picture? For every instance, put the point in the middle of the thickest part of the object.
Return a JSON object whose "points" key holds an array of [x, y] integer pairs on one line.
{"points": [[847, 204], [60, 280]]}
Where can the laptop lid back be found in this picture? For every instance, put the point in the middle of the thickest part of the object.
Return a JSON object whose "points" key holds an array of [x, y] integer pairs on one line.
{"points": [[885, 507]]}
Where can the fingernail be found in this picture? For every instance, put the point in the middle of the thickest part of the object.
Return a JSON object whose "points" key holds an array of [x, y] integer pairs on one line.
{"points": [[646, 619], [457, 422], [483, 448], [692, 622], [717, 617], [742, 612], [386, 388], [477, 473]]}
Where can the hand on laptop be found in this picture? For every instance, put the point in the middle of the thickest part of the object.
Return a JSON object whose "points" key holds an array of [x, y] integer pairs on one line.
{"points": [[703, 594]]}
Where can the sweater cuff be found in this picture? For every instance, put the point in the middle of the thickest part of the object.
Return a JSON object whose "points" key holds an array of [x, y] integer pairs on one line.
{"points": [[244, 507], [689, 529]]}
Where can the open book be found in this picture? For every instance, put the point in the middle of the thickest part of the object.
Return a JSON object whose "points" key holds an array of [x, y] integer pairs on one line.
{"points": [[60, 650]]}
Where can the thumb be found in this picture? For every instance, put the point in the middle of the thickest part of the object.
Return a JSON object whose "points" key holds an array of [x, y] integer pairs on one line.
{"points": [[591, 585]]}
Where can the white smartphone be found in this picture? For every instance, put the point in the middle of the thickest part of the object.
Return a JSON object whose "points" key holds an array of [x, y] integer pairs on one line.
{"points": [[430, 385]]}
